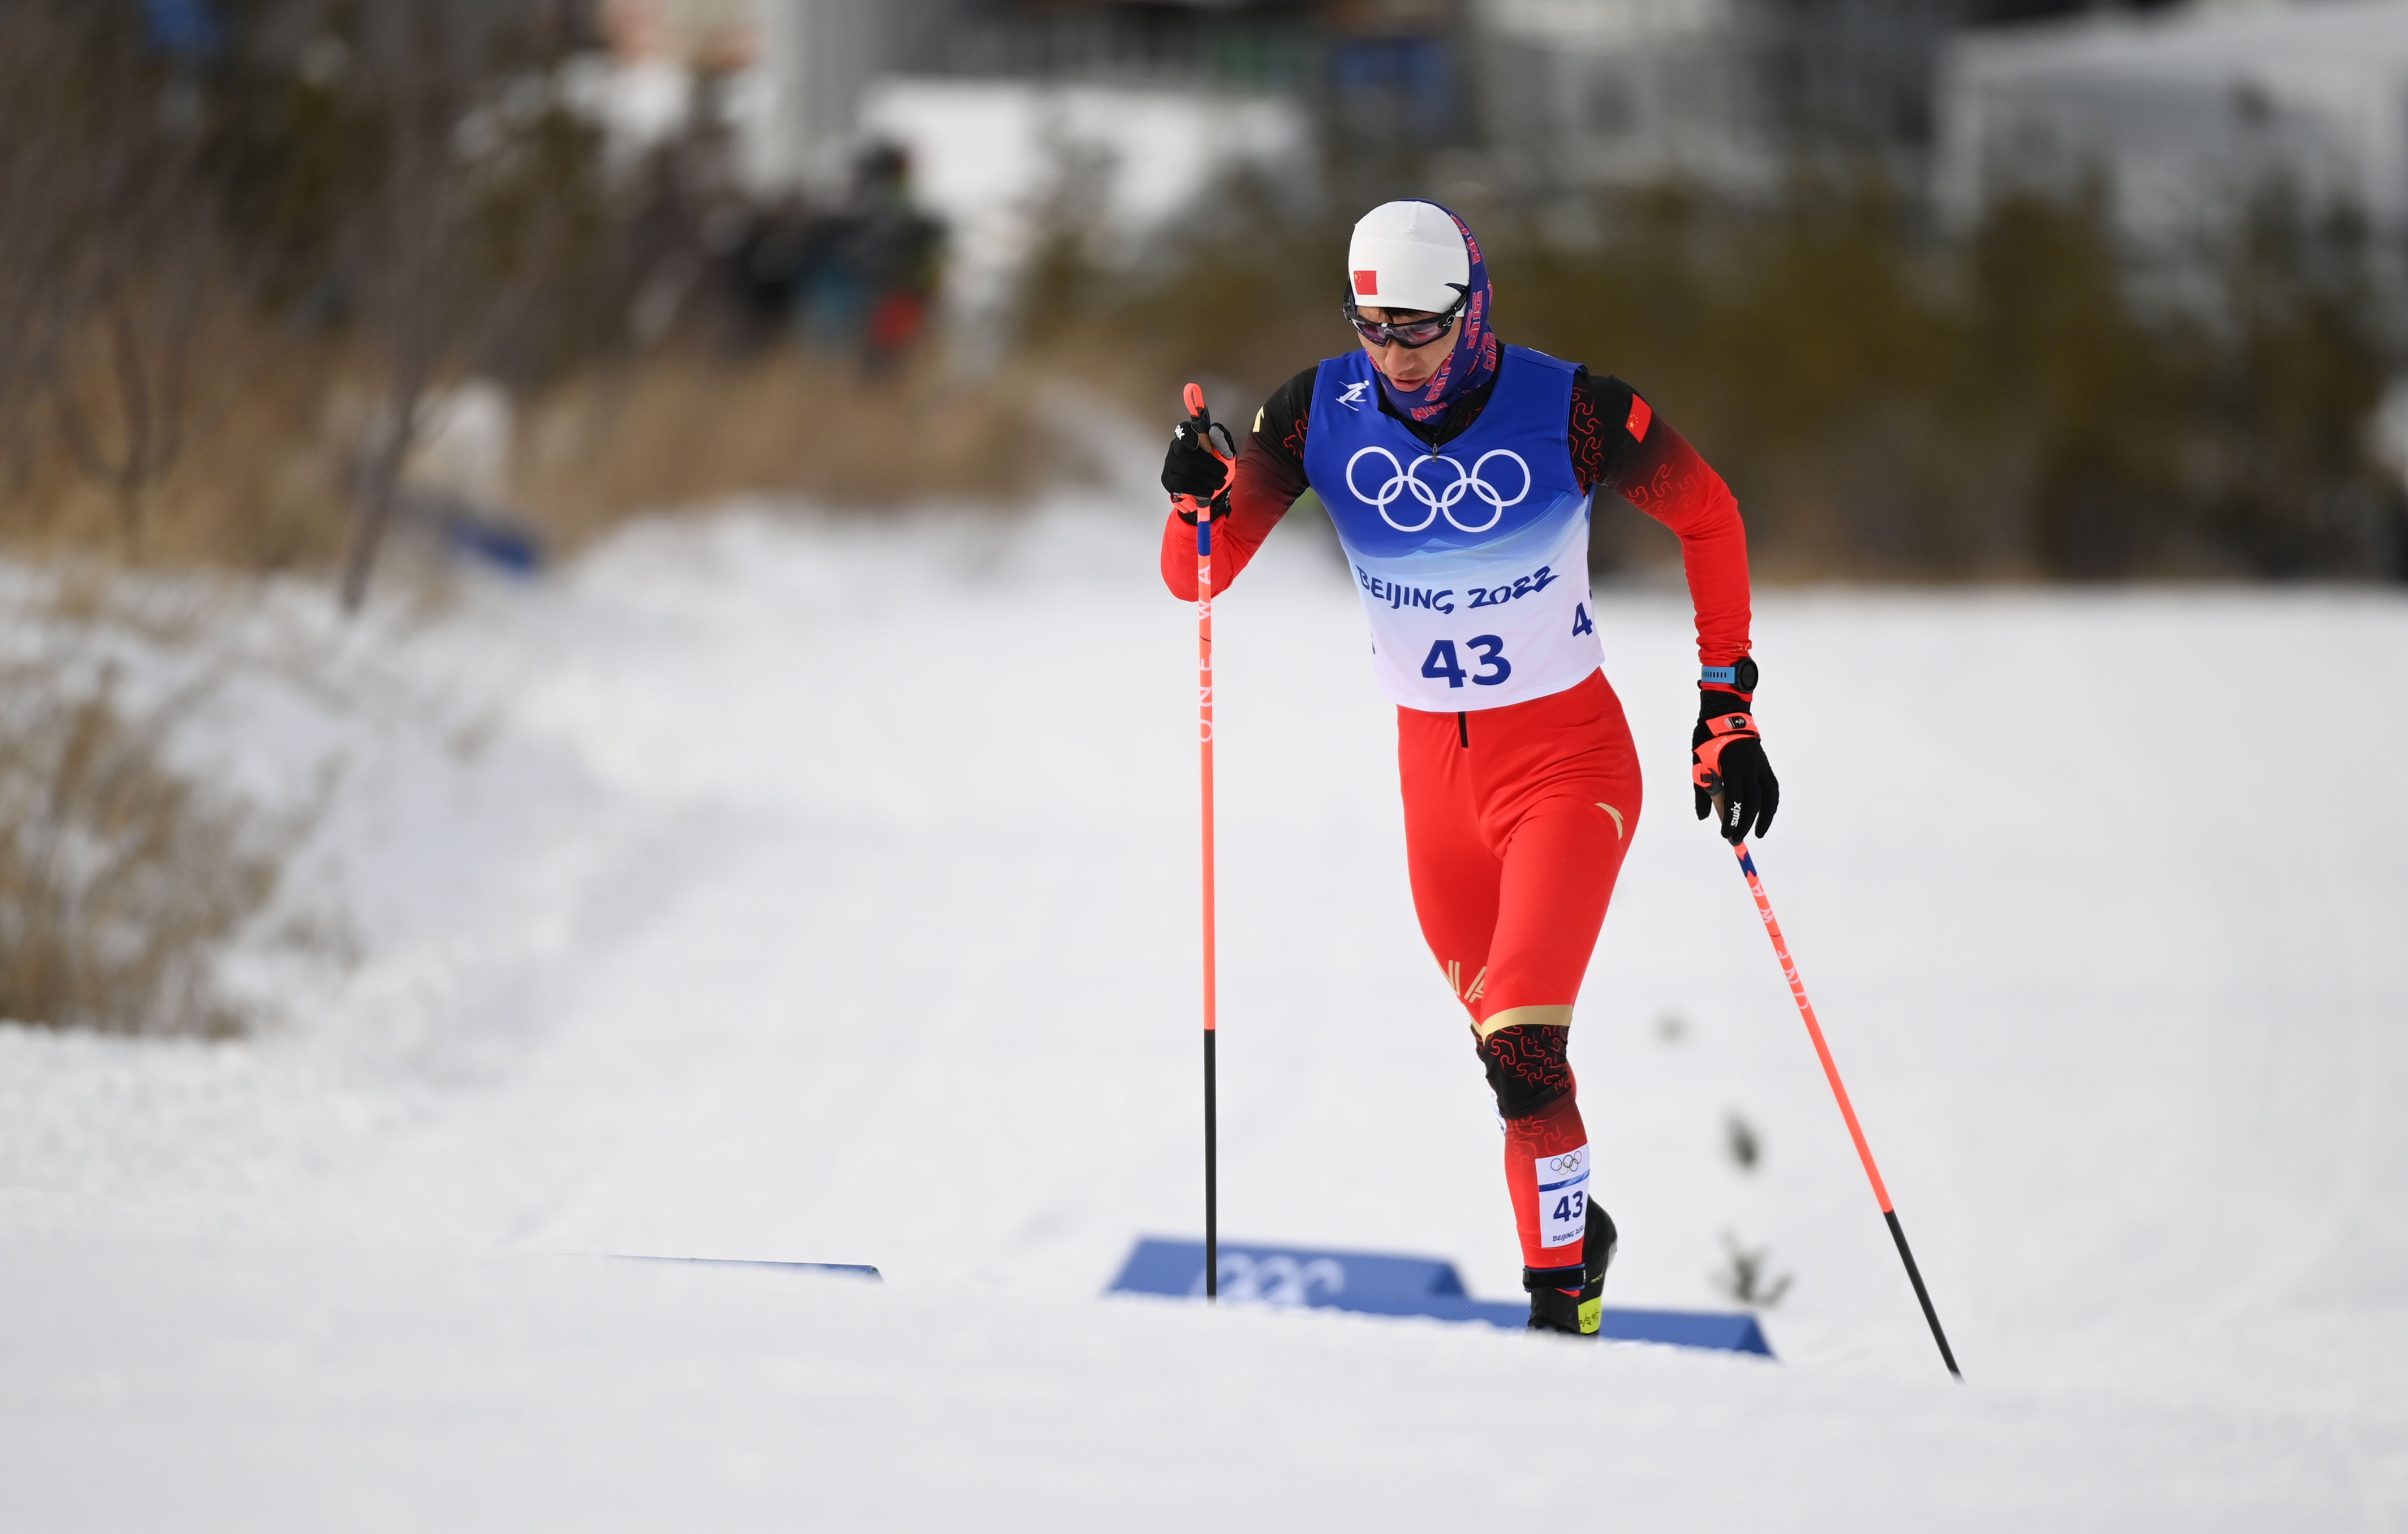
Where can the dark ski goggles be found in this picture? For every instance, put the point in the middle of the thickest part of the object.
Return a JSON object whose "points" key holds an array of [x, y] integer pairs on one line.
{"points": [[1412, 335]]}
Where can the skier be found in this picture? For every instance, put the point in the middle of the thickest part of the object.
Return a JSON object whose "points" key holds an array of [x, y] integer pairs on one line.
{"points": [[1460, 476]]}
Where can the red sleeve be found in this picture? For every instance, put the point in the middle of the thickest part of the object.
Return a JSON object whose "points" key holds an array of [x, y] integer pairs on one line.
{"points": [[1261, 495], [1664, 476]]}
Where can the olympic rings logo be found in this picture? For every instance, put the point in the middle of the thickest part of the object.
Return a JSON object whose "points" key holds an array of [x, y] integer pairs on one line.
{"points": [[1570, 1163], [1275, 1279], [1443, 500]]}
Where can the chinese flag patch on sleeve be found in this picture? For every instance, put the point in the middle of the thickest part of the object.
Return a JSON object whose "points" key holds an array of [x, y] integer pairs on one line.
{"points": [[1640, 416], [1367, 284]]}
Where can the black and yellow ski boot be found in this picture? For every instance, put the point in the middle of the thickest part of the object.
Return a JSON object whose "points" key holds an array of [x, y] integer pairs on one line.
{"points": [[1570, 1300]]}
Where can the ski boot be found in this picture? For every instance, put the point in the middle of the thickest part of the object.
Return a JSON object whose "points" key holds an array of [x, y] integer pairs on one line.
{"points": [[1574, 1308]]}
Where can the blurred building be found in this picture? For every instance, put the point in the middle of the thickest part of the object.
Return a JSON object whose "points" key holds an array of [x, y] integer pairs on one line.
{"points": [[2182, 116], [794, 74], [799, 108], [1239, 45], [1621, 91], [1724, 94], [997, 101], [1007, 163], [784, 79]]}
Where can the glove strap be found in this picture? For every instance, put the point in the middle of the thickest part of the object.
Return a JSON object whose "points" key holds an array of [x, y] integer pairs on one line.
{"points": [[1189, 506], [1707, 754]]}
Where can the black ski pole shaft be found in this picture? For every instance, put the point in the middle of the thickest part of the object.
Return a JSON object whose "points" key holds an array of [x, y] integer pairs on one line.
{"points": [[1211, 1177], [1847, 1110]]}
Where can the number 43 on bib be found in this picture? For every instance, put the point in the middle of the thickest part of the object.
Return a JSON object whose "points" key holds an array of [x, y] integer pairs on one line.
{"points": [[1441, 665]]}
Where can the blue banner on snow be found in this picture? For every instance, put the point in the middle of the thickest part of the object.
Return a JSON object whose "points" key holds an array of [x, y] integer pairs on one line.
{"points": [[1383, 1284]]}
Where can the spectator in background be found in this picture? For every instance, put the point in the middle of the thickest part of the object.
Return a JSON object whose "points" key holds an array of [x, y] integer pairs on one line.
{"points": [[887, 252], [858, 279]]}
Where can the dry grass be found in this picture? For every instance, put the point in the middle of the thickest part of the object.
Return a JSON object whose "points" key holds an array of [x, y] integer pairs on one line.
{"points": [[259, 485], [271, 445], [120, 877], [681, 429]]}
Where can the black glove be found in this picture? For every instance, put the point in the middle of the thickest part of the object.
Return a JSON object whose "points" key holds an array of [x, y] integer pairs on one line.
{"points": [[1195, 475], [1727, 760]]}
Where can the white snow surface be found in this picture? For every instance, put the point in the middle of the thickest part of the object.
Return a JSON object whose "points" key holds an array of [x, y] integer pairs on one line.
{"points": [[773, 885]]}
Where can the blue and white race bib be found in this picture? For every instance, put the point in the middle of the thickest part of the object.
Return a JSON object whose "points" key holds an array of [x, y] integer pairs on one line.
{"points": [[1472, 561], [1562, 1197]]}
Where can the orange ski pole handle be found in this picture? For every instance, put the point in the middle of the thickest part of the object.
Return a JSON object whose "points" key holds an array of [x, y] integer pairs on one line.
{"points": [[1215, 437], [1840, 1092], [1206, 430]]}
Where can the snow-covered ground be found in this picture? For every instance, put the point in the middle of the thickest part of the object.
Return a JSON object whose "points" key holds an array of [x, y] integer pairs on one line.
{"points": [[780, 888]]}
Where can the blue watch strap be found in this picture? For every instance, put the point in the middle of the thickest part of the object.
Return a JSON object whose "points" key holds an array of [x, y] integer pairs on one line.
{"points": [[1739, 676]]}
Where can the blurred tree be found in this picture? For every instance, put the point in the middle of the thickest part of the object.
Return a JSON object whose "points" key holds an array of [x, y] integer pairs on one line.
{"points": [[406, 179], [2294, 491], [2034, 398], [475, 185], [2089, 403], [107, 245]]}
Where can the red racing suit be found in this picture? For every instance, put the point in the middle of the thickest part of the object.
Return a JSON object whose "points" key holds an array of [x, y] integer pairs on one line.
{"points": [[1517, 817]]}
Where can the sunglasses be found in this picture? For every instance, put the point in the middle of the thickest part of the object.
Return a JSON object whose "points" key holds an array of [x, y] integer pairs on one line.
{"points": [[1412, 335]]}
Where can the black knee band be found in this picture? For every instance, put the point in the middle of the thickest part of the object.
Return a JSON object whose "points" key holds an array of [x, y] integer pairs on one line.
{"points": [[1527, 1069]]}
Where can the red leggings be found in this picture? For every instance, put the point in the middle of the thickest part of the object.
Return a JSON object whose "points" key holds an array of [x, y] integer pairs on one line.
{"points": [[1516, 819]]}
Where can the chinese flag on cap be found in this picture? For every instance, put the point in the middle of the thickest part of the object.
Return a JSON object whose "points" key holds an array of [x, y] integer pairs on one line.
{"points": [[1367, 284]]}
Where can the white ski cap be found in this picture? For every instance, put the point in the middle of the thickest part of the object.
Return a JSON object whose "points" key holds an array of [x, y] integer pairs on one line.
{"points": [[1408, 255]]}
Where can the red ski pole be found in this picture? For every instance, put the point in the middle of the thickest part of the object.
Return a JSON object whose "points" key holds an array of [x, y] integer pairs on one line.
{"points": [[1847, 1110], [1224, 450]]}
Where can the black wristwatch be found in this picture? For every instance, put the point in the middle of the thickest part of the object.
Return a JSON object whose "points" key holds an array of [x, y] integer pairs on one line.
{"points": [[1737, 678]]}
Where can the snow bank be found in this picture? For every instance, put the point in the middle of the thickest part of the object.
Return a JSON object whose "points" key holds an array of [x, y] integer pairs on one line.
{"points": [[782, 887]]}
